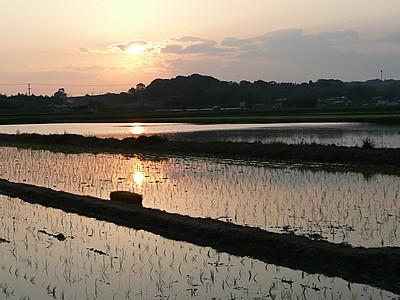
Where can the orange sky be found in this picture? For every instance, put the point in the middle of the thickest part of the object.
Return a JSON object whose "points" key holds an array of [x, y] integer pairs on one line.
{"points": [[100, 46]]}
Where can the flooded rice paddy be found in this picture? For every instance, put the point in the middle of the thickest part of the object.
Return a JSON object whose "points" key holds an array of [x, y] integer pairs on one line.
{"points": [[340, 207], [100, 260], [341, 134]]}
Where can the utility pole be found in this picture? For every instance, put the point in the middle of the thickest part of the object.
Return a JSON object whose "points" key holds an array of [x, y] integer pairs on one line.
{"points": [[29, 89], [382, 75]]}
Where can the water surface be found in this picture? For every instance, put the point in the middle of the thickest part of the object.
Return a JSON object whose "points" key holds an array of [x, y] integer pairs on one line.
{"points": [[342, 134], [100, 260], [340, 207]]}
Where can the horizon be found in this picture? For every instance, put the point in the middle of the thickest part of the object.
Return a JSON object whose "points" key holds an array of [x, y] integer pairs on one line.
{"points": [[31, 86], [95, 48]]}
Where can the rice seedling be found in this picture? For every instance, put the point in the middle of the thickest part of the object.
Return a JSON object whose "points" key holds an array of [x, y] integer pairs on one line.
{"points": [[314, 197]]}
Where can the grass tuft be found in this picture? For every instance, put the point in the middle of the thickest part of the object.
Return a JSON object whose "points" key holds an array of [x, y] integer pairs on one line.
{"points": [[127, 197]]}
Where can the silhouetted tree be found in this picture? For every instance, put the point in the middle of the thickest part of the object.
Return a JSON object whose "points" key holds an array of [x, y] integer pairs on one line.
{"points": [[60, 94], [132, 91], [140, 87]]}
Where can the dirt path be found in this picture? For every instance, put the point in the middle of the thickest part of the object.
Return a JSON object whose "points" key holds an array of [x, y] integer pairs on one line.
{"points": [[379, 267]]}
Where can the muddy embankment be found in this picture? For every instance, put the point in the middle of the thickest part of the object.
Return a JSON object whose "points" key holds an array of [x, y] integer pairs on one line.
{"points": [[388, 159], [379, 267]]}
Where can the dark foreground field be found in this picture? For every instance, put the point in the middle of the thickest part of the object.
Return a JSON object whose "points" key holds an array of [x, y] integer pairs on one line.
{"points": [[379, 267], [372, 114], [374, 159]]}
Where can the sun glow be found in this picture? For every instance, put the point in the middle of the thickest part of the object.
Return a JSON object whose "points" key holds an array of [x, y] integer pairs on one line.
{"points": [[135, 49]]}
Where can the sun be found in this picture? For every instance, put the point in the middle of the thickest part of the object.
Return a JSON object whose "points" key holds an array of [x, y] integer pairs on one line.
{"points": [[135, 49]]}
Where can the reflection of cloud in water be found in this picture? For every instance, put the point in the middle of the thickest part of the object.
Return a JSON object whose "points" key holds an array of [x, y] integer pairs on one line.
{"points": [[242, 192], [342, 134], [110, 268]]}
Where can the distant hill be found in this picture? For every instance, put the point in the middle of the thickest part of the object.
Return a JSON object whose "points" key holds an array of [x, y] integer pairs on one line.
{"points": [[206, 91], [199, 90]]}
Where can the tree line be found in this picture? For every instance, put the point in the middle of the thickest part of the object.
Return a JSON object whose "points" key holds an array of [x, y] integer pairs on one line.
{"points": [[205, 91]]}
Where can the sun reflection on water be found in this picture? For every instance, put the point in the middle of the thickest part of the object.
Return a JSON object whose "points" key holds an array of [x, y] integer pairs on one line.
{"points": [[136, 128], [138, 178], [275, 199]]}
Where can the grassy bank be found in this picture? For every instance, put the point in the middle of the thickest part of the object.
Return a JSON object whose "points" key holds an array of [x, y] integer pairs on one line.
{"points": [[376, 266], [379, 115], [359, 158]]}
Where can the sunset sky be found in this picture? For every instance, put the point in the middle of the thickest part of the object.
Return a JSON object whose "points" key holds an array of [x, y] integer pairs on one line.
{"points": [[98, 46]]}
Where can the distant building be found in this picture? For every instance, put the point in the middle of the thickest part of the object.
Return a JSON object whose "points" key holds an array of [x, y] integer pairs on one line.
{"points": [[69, 101], [394, 102], [259, 105], [280, 103], [334, 101], [380, 101], [83, 109]]}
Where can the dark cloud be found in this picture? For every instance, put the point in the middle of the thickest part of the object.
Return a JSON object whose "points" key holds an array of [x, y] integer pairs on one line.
{"points": [[336, 35], [287, 34], [293, 54], [172, 49], [193, 45], [290, 38], [392, 38], [234, 42], [191, 39], [293, 46], [84, 49]]}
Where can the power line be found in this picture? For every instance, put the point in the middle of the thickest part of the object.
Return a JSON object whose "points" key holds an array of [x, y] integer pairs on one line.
{"points": [[4, 84], [33, 86], [88, 85], [58, 84]]}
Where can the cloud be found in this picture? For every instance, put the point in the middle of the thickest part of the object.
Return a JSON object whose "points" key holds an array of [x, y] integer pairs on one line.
{"points": [[345, 35], [172, 49], [235, 42], [144, 46], [289, 54], [84, 49], [191, 39], [284, 34], [290, 38], [124, 46], [286, 55], [193, 45], [392, 38], [87, 51], [293, 46]]}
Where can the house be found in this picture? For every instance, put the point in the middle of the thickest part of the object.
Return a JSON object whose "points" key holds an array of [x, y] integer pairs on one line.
{"points": [[334, 101], [259, 105], [280, 103], [394, 102]]}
